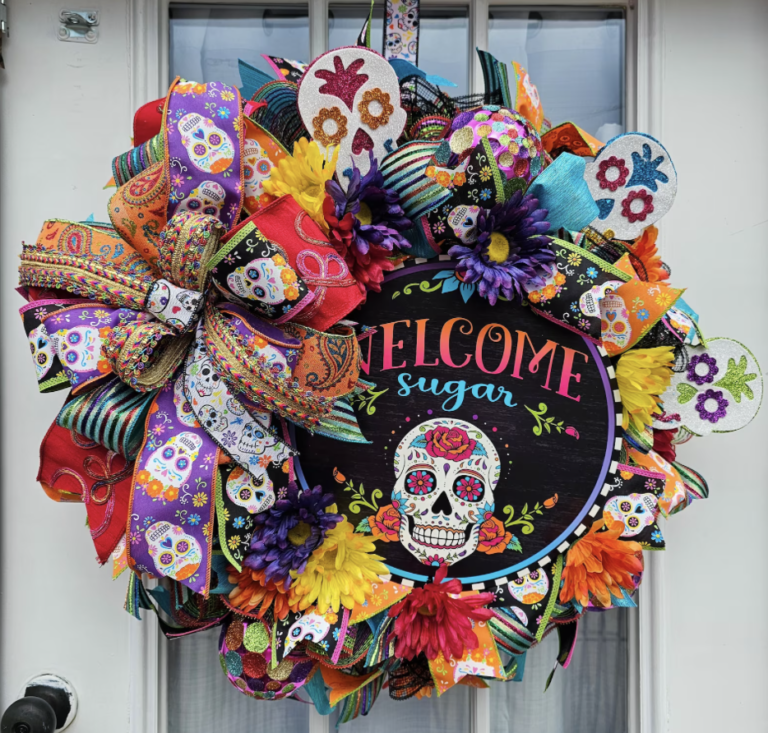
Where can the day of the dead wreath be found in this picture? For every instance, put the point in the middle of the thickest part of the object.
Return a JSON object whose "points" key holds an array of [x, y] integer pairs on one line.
{"points": [[387, 384]]}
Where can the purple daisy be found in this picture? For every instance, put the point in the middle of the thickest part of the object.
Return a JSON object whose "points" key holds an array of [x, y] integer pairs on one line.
{"points": [[287, 534], [509, 251], [378, 217]]}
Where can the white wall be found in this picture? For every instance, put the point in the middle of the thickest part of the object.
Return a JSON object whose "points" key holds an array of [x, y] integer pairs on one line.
{"points": [[61, 121], [65, 112], [715, 71]]}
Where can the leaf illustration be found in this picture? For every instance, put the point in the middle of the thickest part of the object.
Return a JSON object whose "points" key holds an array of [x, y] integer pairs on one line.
{"points": [[736, 378]]}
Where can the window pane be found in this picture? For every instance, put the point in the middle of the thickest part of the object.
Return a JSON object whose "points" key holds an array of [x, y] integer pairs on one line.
{"points": [[444, 46], [346, 21], [574, 56], [201, 698], [588, 697], [207, 40], [448, 714]]}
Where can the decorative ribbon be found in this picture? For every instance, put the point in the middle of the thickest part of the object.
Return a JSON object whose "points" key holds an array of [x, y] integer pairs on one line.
{"points": [[172, 500], [401, 30], [112, 416], [204, 150]]}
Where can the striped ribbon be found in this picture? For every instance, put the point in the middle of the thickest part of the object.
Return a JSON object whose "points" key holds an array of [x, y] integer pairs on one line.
{"points": [[404, 171], [128, 165], [112, 415]]}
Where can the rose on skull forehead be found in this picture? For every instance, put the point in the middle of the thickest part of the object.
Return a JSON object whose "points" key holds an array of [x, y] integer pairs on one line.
{"points": [[451, 443]]}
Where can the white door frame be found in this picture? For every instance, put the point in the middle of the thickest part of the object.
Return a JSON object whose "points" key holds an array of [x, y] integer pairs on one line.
{"points": [[148, 42]]}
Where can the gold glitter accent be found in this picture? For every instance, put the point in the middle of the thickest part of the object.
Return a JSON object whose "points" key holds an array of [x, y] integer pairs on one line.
{"points": [[325, 114], [609, 234], [234, 636], [484, 130], [507, 159], [273, 686], [375, 95], [461, 140], [282, 672]]}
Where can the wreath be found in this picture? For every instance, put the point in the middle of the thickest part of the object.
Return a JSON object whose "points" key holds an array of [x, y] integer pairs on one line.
{"points": [[387, 409]]}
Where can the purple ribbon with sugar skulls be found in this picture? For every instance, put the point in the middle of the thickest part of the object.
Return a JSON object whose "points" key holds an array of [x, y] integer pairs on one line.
{"points": [[204, 149], [173, 498]]}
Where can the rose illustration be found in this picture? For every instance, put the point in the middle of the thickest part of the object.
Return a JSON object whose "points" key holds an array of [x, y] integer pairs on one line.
{"points": [[385, 526], [493, 537], [451, 443]]}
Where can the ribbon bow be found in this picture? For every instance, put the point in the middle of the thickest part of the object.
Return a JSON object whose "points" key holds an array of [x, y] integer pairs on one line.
{"points": [[189, 369]]}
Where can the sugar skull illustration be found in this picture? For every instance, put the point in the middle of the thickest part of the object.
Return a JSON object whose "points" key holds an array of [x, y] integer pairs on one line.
{"points": [[470, 666], [207, 198], [256, 169], [463, 221], [531, 588], [446, 471], [636, 512], [78, 348], [394, 44], [184, 411], [209, 148], [267, 279], [42, 350], [616, 328], [255, 439], [310, 627], [171, 464], [589, 301], [207, 381], [176, 554], [255, 494], [213, 420]]}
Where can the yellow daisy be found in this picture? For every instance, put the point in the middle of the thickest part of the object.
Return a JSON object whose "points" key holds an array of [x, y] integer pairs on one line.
{"points": [[339, 572], [643, 376], [303, 176]]}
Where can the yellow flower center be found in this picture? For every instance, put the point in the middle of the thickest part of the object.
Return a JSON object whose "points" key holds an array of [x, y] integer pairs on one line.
{"points": [[299, 534], [498, 249], [364, 216]]}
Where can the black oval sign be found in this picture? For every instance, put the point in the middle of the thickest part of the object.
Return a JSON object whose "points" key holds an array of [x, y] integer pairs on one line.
{"points": [[492, 431]]}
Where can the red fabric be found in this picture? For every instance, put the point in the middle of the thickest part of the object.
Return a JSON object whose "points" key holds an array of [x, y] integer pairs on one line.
{"points": [[662, 444], [70, 471], [313, 258], [147, 121]]}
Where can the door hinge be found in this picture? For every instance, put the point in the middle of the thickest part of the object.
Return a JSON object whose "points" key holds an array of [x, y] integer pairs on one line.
{"points": [[79, 26]]}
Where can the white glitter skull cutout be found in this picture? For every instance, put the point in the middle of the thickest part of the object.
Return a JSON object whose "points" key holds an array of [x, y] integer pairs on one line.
{"points": [[720, 390], [531, 588], [256, 495], [446, 472], [635, 512], [208, 146], [350, 98], [633, 182], [78, 348], [171, 464], [176, 554], [207, 198], [42, 350], [615, 320]]}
